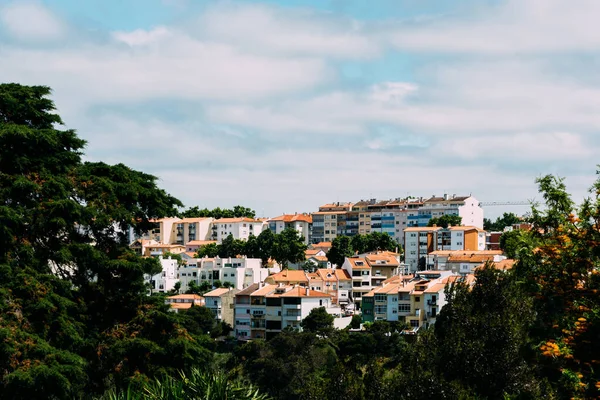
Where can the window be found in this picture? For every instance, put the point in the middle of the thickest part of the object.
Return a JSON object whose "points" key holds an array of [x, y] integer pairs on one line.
{"points": [[417, 299], [320, 302], [380, 297], [380, 309], [433, 312], [404, 308], [414, 323], [459, 243]]}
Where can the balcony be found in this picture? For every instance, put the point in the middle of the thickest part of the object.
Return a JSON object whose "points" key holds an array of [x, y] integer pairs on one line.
{"points": [[432, 302], [258, 315]]}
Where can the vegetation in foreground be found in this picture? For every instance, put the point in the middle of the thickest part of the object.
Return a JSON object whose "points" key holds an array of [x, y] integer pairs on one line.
{"points": [[75, 320]]}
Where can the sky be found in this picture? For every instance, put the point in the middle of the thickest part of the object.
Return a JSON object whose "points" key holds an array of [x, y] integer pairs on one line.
{"points": [[282, 106]]}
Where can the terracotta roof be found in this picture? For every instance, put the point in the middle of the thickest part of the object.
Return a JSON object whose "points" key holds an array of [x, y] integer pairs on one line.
{"points": [[185, 297], [313, 275], [165, 246], [200, 242], [249, 290], [406, 288], [422, 229], [500, 265], [470, 258], [181, 306], [265, 290], [289, 275], [217, 292], [293, 218], [435, 288], [320, 258], [388, 259], [321, 245], [192, 220], [435, 199], [465, 228], [327, 275], [342, 275], [358, 263], [304, 292], [312, 252], [328, 212], [232, 220], [190, 254], [388, 289]]}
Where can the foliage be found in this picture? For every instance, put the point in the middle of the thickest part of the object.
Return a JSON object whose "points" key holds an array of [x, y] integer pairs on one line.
{"points": [[507, 219], [511, 242], [344, 246], [209, 250], [167, 255], [236, 212], [445, 220], [318, 321], [356, 321]]}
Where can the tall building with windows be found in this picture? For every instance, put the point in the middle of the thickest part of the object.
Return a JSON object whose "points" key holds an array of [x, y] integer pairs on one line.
{"points": [[302, 223]]}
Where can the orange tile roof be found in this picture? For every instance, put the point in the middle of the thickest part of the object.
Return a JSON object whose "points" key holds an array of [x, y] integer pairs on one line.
{"points": [[312, 252], [342, 275], [293, 218], [422, 229], [190, 254], [327, 275], [304, 292], [235, 220], [358, 263], [470, 258], [265, 290], [289, 275], [321, 245], [186, 297], [249, 290], [320, 258], [217, 292], [181, 306], [435, 288], [500, 265], [192, 220], [389, 260]]}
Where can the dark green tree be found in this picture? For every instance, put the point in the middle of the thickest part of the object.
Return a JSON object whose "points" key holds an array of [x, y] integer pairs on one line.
{"points": [[318, 321], [209, 250], [266, 243], [289, 247], [445, 220], [341, 248], [507, 219], [231, 247]]}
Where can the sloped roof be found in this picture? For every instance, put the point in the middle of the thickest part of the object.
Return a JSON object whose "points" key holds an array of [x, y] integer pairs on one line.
{"points": [[293, 218], [304, 292], [217, 292], [289, 275]]}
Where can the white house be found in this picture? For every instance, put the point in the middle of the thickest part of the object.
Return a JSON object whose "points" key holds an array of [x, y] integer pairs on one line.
{"points": [[239, 272], [301, 223], [360, 272], [239, 228], [164, 280]]}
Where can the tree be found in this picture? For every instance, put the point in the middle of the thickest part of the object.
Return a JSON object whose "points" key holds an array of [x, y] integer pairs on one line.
{"points": [[511, 242], [318, 321], [176, 288], [445, 220], [174, 256], [378, 241], [266, 242], [340, 249], [507, 219], [231, 247], [356, 321], [289, 247], [73, 304], [236, 212], [209, 250], [228, 285]]}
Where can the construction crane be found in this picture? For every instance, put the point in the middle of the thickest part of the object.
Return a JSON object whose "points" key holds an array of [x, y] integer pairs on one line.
{"points": [[505, 203]]}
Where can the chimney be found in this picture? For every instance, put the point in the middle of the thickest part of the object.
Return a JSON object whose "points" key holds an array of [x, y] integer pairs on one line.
{"points": [[445, 196], [307, 291]]}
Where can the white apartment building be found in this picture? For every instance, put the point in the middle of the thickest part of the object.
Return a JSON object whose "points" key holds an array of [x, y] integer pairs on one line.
{"points": [[266, 311], [239, 272], [164, 280], [467, 207], [239, 228], [301, 223], [360, 272], [418, 243]]}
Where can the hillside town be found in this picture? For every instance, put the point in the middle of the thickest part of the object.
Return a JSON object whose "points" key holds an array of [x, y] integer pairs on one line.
{"points": [[259, 300]]}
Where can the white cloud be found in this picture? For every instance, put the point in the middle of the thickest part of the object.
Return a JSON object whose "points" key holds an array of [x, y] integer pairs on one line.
{"points": [[31, 21], [268, 29], [512, 27]]}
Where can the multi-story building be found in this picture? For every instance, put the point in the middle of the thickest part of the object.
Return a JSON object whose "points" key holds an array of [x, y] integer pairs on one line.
{"points": [[190, 229], [221, 302], [184, 302], [238, 272], [462, 261], [383, 264], [418, 243], [272, 308], [360, 272], [302, 223], [165, 280], [415, 300], [335, 282], [467, 207], [325, 221], [195, 245], [239, 228]]}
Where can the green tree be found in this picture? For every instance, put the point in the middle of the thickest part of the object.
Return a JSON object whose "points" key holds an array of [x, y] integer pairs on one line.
{"points": [[231, 247], [318, 321], [236, 212], [381, 241], [74, 313], [341, 248], [266, 243], [174, 256], [507, 219], [445, 220], [356, 321], [289, 247], [512, 241], [209, 250]]}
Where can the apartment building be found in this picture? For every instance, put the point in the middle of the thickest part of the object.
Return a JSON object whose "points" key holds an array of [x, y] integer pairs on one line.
{"points": [[329, 221], [302, 223], [239, 272], [165, 280], [383, 264], [467, 207], [184, 302], [266, 311], [221, 302], [335, 282], [462, 262], [239, 228], [418, 243], [415, 300], [360, 272], [195, 245]]}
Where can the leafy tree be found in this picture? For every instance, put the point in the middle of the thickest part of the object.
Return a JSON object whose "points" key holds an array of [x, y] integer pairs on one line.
{"points": [[380, 241], [340, 249], [318, 321], [174, 256], [289, 247], [231, 247], [74, 314], [236, 212], [512, 241], [228, 285], [217, 284], [266, 243], [445, 220], [356, 321], [209, 250], [507, 219], [176, 288]]}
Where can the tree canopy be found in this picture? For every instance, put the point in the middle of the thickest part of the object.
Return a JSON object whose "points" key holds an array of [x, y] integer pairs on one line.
{"points": [[507, 219], [445, 220], [235, 212], [345, 246]]}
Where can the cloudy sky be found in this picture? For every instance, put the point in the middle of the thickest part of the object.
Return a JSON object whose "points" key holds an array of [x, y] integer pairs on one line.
{"points": [[284, 105]]}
